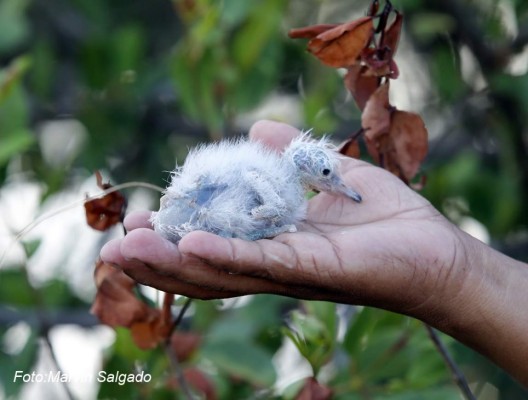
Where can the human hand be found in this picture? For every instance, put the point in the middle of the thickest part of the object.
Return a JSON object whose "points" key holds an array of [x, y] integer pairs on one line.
{"points": [[394, 250]]}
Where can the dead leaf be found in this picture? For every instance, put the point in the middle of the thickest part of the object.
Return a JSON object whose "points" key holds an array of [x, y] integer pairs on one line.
{"points": [[310, 32], [340, 47], [115, 303], [376, 116], [350, 147], [184, 344], [198, 380], [409, 134], [155, 328], [313, 390], [104, 212], [360, 84], [391, 39]]}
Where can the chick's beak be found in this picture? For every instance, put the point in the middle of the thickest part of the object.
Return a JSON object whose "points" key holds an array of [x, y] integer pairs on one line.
{"points": [[340, 187]]}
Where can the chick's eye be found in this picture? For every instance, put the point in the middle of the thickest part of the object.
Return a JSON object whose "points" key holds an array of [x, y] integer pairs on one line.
{"points": [[326, 171]]}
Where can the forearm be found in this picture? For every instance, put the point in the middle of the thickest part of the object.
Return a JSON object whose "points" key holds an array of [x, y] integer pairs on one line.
{"points": [[490, 314]]}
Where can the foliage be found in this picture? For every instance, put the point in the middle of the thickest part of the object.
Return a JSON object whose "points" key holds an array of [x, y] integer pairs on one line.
{"points": [[146, 79]]}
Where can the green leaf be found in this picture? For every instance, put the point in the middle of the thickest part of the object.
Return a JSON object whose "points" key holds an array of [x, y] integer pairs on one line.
{"points": [[314, 340], [360, 328], [241, 359], [31, 246], [23, 361], [15, 289], [326, 313], [14, 143], [12, 74], [14, 27]]}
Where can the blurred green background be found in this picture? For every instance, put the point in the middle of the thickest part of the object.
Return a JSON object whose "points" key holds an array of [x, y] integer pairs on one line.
{"points": [[126, 87]]}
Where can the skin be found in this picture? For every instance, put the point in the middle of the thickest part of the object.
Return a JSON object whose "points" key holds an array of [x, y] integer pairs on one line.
{"points": [[393, 251]]}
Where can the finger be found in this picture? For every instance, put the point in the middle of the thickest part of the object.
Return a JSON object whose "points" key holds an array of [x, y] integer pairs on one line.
{"points": [[165, 259], [138, 219], [263, 258], [146, 275], [276, 135], [111, 253]]}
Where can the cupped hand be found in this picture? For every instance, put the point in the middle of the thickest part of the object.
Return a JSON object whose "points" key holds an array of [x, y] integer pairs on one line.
{"points": [[394, 250]]}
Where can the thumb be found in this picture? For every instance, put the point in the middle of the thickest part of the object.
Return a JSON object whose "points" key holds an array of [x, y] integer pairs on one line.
{"points": [[276, 135]]}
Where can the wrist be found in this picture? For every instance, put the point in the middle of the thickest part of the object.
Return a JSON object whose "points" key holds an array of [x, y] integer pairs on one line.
{"points": [[487, 310]]}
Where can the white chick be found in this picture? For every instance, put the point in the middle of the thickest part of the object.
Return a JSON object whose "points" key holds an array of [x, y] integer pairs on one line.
{"points": [[241, 189]]}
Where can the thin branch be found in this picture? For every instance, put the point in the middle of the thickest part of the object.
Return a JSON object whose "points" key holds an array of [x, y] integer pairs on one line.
{"points": [[43, 326], [457, 374], [73, 205], [171, 354], [55, 363], [180, 316], [521, 40], [65, 316]]}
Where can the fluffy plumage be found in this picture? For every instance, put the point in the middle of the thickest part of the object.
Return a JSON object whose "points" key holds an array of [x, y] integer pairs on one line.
{"points": [[239, 188]]}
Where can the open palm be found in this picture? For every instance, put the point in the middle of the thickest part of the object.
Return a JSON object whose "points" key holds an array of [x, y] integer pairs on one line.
{"points": [[390, 250]]}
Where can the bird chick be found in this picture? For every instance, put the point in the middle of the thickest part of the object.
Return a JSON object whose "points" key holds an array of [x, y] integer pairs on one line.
{"points": [[242, 189]]}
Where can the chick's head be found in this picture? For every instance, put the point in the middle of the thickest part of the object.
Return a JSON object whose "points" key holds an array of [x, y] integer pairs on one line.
{"points": [[317, 164]]}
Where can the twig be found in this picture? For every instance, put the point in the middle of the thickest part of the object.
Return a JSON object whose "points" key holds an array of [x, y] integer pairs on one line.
{"points": [[65, 316], [44, 326], [55, 363], [521, 40], [457, 374], [76, 203], [173, 358], [180, 316]]}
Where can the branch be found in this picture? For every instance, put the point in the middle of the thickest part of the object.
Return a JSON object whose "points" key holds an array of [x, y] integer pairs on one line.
{"points": [[458, 375], [76, 316], [521, 40], [171, 354], [491, 57]]}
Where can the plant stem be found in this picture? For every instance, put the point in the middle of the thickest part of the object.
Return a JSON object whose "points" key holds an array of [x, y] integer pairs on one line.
{"points": [[457, 374]]}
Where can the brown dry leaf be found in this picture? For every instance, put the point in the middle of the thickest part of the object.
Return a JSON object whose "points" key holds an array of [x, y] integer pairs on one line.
{"points": [[377, 62], [196, 379], [184, 344], [376, 116], [391, 39], [145, 333], [199, 381], [409, 134], [115, 303], [310, 32], [106, 211], [340, 47], [313, 390], [350, 148], [155, 328], [360, 84]]}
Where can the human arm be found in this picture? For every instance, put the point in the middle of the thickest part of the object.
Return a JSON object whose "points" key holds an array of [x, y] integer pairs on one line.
{"points": [[393, 251]]}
